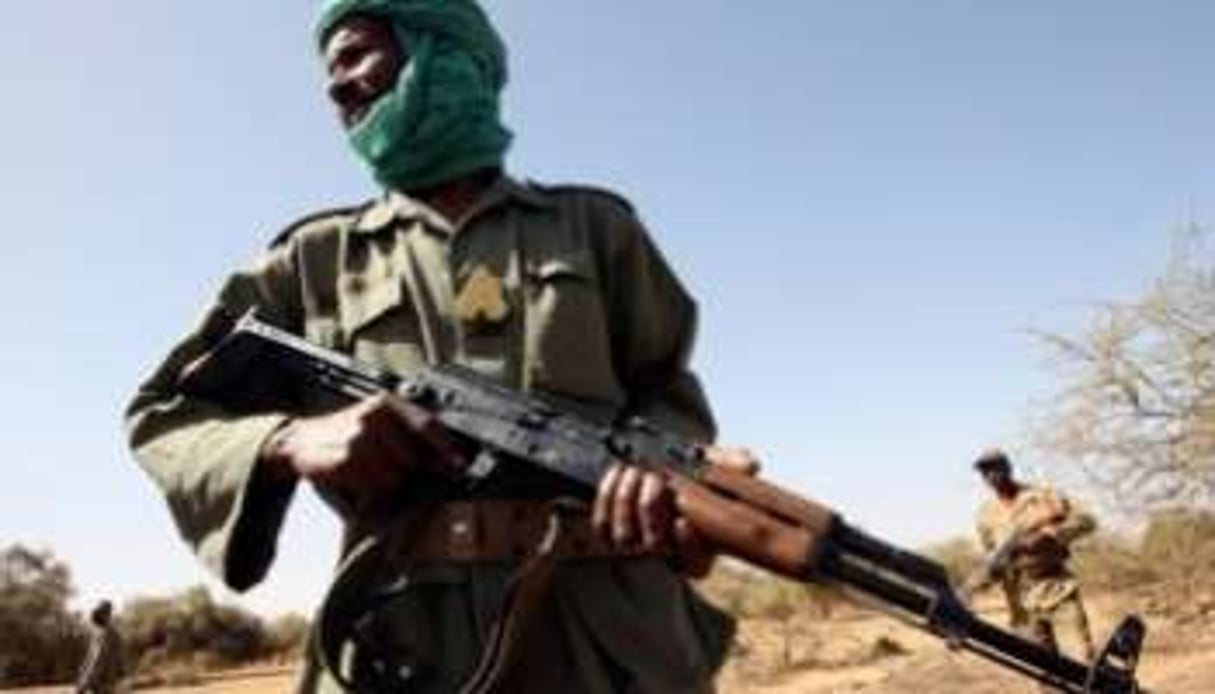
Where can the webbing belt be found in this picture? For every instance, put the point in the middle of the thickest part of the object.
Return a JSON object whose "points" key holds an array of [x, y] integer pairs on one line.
{"points": [[537, 534]]}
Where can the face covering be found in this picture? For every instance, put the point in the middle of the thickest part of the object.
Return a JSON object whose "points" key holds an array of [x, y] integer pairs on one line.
{"points": [[440, 119]]}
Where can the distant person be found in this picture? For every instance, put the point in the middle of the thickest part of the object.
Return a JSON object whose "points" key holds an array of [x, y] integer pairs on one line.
{"points": [[104, 664], [1043, 595]]}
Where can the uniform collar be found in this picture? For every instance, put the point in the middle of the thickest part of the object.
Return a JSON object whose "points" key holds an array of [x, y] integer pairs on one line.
{"points": [[395, 206]]}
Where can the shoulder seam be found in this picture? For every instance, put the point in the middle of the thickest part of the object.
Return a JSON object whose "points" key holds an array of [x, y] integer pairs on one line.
{"points": [[290, 230], [585, 188]]}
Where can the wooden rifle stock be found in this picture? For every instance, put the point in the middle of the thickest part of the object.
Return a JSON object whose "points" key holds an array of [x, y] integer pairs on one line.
{"points": [[755, 521]]}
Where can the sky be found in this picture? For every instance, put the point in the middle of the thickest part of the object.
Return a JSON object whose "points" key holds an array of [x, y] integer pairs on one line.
{"points": [[874, 202]]}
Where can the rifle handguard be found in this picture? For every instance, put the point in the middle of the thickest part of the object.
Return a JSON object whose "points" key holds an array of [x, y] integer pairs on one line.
{"points": [[787, 536], [818, 519]]}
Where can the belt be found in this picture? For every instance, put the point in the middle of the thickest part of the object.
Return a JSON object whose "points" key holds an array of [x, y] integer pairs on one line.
{"points": [[1036, 571], [497, 530], [1047, 561], [536, 534]]}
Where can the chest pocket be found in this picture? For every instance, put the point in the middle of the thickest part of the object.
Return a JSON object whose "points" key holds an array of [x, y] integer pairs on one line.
{"points": [[567, 343], [379, 325]]}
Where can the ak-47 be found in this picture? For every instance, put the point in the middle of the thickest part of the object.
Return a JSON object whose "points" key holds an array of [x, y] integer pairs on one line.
{"points": [[742, 516], [993, 564], [1004, 551]]}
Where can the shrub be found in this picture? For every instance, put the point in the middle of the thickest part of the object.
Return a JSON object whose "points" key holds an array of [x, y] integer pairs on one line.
{"points": [[288, 636], [41, 641], [958, 555], [192, 626]]}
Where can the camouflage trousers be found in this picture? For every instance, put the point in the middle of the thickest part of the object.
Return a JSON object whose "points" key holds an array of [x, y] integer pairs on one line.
{"points": [[1063, 627], [1051, 612]]}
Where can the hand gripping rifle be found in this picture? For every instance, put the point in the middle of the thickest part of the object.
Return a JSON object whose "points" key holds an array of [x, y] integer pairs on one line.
{"points": [[996, 561], [993, 564], [742, 516]]}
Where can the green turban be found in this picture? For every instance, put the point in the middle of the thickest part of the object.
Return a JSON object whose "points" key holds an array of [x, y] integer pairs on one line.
{"points": [[442, 117]]}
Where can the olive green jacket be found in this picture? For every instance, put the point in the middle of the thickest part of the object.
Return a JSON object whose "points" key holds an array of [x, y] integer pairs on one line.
{"points": [[557, 290], [1051, 582]]}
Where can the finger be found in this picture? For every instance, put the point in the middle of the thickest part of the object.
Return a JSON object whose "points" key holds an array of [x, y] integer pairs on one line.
{"points": [[377, 441], [654, 511], [695, 553], [601, 513], [624, 507], [427, 427], [397, 455], [359, 471], [374, 452], [737, 458], [328, 443]]}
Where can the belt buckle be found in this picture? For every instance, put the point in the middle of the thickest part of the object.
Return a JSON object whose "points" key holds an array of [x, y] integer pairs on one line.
{"points": [[463, 531]]}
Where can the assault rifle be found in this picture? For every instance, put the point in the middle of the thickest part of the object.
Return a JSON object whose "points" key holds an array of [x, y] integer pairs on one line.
{"points": [[993, 564], [743, 516]]}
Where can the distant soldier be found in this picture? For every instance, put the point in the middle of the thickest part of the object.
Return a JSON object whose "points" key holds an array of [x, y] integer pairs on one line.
{"points": [[103, 666], [1043, 596]]}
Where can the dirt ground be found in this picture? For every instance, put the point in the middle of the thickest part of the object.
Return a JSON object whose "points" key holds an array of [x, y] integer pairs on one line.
{"points": [[873, 654]]}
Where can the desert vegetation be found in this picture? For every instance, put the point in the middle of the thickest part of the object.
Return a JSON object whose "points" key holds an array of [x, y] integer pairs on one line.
{"points": [[169, 639], [1166, 571]]}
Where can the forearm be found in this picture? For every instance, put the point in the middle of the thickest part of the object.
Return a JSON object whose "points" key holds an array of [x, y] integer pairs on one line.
{"points": [[206, 463], [1076, 525], [204, 456]]}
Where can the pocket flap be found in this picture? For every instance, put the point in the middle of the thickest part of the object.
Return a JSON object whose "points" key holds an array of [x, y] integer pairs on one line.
{"points": [[576, 264], [363, 302]]}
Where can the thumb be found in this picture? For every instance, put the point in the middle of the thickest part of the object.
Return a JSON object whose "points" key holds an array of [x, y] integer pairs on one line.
{"points": [[737, 458]]}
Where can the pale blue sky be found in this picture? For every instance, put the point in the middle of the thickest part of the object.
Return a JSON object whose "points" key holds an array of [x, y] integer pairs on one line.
{"points": [[872, 201]]}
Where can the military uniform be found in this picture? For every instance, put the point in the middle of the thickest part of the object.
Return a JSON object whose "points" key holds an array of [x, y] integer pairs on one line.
{"points": [[555, 290], [1043, 596]]}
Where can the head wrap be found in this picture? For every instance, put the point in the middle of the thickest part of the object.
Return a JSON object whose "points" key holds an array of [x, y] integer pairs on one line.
{"points": [[441, 119], [992, 458]]}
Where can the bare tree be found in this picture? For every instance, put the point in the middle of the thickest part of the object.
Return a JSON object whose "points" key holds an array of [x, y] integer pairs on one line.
{"points": [[1136, 406]]}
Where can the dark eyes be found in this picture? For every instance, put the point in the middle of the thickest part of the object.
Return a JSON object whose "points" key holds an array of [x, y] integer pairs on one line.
{"points": [[348, 57]]}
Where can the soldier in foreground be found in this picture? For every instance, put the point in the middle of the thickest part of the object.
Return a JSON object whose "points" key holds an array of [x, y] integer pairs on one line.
{"points": [[103, 665], [557, 290], [1038, 525]]}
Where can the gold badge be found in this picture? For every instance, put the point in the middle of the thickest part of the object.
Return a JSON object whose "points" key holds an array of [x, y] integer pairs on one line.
{"points": [[482, 298]]}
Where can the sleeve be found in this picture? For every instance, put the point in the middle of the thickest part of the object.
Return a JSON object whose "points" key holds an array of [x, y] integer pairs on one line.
{"points": [[1076, 522], [204, 458], [987, 536], [654, 328]]}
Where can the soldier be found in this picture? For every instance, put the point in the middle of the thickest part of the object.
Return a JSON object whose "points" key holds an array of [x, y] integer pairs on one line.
{"points": [[104, 664], [552, 289], [1043, 596]]}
